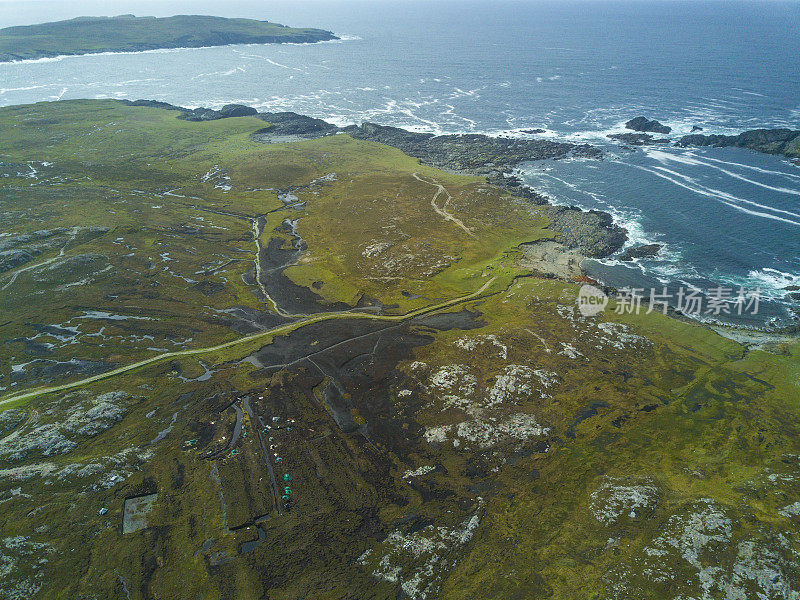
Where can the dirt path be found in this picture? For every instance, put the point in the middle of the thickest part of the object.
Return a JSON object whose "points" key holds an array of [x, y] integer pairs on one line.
{"points": [[442, 212]]}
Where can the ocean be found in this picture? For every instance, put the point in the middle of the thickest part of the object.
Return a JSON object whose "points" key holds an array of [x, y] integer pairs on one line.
{"points": [[726, 217]]}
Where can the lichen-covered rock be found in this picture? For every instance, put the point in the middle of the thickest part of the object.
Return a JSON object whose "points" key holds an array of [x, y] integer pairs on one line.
{"points": [[623, 500], [485, 433], [61, 429], [454, 385], [20, 562], [419, 561], [706, 551]]}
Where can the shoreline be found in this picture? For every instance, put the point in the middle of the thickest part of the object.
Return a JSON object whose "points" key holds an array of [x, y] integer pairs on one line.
{"points": [[165, 49], [472, 154], [582, 233]]}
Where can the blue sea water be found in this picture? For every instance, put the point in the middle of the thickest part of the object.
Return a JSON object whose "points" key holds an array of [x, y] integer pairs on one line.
{"points": [[577, 68]]}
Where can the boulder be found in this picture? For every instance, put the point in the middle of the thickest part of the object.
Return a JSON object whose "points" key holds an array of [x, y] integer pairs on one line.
{"points": [[645, 125], [236, 110], [644, 251]]}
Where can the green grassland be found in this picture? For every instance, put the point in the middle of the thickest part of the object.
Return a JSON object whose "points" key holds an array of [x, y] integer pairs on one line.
{"points": [[451, 426], [126, 33]]}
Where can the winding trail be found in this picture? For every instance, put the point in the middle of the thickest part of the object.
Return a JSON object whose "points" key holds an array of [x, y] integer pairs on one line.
{"points": [[442, 212], [35, 393]]}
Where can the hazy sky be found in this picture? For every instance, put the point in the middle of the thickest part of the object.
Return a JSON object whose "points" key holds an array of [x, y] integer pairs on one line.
{"points": [[308, 13], [25, 12]]}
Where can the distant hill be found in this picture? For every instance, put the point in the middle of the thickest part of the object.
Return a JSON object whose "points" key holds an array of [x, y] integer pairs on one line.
{"points": [[128, 33]]}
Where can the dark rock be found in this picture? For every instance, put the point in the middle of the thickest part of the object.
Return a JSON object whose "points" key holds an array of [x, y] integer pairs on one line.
{"points": [[638, 139], [153, 104], [644, 251], [696, 128], [769, 141], [592, 232], [236, 110], [208, 114], [514, 184], [645, 125], [200, 114], [533, 131], [469, 153], [290, 123]]}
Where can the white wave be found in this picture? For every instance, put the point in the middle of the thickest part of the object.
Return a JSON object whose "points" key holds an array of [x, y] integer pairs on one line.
{"points": [[773, 279], [725, 195], [24, 89], [771, 282], [754, 168], [519, 133], [718, 195], [690, 159], [60, 57]]}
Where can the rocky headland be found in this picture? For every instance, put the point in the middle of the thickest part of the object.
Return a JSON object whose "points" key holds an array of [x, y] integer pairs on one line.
{"points": [[779, 141], [128, 33], [469, 153], [784, 142]]}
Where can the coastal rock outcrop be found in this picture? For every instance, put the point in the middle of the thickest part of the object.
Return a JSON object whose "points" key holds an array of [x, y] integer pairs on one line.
{"points": [[469, 153], [227, 111], [593, 233], [283, 124], [769, 141], [644, 251], [644, 124], [638, 139]]}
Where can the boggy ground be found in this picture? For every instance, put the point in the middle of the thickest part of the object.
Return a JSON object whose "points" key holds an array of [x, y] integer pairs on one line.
{"points": [[502, 446]]}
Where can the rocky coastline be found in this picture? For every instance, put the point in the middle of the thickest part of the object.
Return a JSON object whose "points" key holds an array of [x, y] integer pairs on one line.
{"points": [[784, 142], [592, 233], [643, 251], [779, 141], [638, 139]]}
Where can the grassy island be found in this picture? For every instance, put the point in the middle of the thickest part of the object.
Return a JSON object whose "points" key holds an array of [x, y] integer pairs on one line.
{"points": [[128, 33]]}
